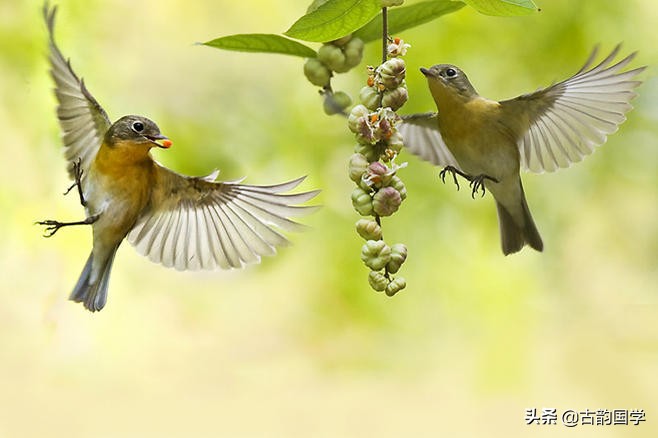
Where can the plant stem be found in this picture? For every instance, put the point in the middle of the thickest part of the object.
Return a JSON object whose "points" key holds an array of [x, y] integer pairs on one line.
{"points": [[384, 34], [378, 219], [384, 56]]}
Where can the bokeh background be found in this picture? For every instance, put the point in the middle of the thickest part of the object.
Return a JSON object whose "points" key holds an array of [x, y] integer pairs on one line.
{"points": [[300, 346]]}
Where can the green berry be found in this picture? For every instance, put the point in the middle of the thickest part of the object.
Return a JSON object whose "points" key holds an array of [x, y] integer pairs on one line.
{"points": [[357, 167], [392, 73], [398, 256], [377, 281], [369, 229], [370, 98], [370, 151], [353, 51], [336, 103], [316, 72], [357, 115], [386, 201], [333, 57], [375, 254], [362, 202], [343, 99], [396, 286], [398, 185], [395, 98]]}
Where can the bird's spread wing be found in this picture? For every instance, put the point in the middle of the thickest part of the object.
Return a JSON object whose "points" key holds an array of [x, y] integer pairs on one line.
{"points": [[83, 120], [194, 223], [565, 122], [421, 136]]}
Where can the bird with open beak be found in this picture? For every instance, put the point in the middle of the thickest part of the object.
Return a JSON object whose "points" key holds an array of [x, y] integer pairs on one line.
{"points": [[179, 221]]}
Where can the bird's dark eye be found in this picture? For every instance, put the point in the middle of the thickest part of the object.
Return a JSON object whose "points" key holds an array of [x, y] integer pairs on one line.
{"points": [[138, 126], [451, 73]]}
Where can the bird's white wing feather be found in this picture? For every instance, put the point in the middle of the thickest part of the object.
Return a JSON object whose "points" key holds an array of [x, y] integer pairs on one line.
{"points": [[82, 119], [193, 223], [421, 136], [565, 122]]}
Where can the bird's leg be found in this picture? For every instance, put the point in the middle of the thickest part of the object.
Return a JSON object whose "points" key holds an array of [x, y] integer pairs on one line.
{"points": [[53, 226], [77, 174], [454, 171], [477, 183]]}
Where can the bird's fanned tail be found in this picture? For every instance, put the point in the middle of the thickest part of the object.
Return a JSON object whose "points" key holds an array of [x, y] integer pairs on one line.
{"points": [[91, 290], [516, 232]]}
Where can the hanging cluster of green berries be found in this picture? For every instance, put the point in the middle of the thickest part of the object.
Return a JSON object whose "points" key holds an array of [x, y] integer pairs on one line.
{"points": [[379, 190], [386, 86], [337, 56]]}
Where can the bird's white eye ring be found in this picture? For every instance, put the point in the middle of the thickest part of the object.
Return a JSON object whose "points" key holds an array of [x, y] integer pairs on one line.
{"points": [[451, 73], [138, 126]]}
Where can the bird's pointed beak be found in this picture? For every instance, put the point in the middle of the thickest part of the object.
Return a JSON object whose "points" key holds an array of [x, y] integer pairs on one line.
{"points": [[161, 141], [427, 72]]}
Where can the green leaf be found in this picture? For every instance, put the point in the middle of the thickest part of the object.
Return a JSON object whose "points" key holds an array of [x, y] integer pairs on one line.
{"points": [[503, 7], [406, 17], [262, 42], [316, 4], [334, 19]]}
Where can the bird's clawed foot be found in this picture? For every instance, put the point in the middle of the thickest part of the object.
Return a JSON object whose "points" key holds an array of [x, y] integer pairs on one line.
{"points": [[53, 226], [454, 171], [77, 174], [477, 183]]}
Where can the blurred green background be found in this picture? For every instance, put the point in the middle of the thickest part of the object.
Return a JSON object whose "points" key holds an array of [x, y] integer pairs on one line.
{"points": [[300, 346]]}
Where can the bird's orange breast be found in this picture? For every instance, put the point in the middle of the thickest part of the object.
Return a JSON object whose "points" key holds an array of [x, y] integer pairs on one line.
{"points": [[461, 121], [475, 135], [124, 172]]}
